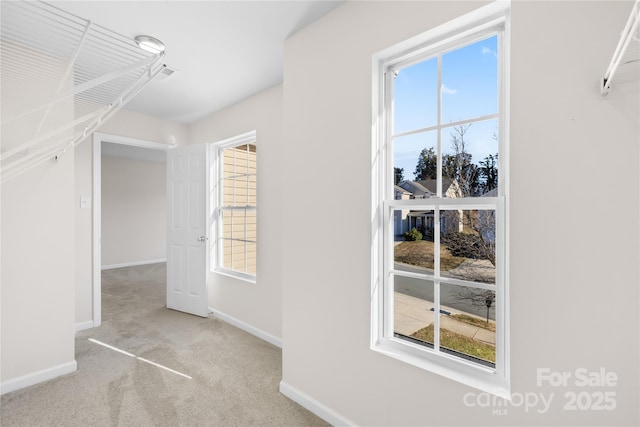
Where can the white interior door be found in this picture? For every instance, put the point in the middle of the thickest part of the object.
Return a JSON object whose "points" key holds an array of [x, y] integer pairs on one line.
{"points": [[186, 237]]}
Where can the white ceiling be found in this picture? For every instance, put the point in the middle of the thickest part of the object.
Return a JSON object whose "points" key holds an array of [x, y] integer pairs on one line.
{"points": [[223, 51]]}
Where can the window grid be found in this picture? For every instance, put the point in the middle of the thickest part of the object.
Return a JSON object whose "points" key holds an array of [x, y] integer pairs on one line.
{"points": [[443, 202]]}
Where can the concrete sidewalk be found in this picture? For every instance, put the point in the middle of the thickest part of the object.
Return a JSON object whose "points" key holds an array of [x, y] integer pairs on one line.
{"points": [[413, 314]]}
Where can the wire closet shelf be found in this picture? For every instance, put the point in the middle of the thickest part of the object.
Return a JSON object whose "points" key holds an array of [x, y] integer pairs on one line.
{"points": [[62, 78], [625, 62]]}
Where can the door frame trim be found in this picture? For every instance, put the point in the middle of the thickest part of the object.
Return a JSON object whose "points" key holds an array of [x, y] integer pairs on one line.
{"points": [[96, 222]]}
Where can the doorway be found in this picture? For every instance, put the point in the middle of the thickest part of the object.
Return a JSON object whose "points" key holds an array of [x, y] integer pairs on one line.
{"points": [[114, 144]]}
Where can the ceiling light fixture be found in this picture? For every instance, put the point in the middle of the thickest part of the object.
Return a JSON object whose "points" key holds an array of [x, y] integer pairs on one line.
{"points": [[150, 44]]}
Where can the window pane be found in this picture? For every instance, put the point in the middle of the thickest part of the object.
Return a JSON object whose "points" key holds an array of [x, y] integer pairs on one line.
{"points": [[250, 225], [239, 191], [227, 248], [238, 224], [467, 323], [251, 190], [239, 240], [413, 310], [413, 249], [416, 96], [227, 229], [470, 159], [238, 255], [232, 224], [229, 162], [239, 175], [470, 81], [415, 160], [468, 245], [251, 258]]}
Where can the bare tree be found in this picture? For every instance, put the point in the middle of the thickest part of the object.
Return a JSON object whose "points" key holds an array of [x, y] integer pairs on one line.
{"points": [[477, 239], [458, 165], [478, 298]]}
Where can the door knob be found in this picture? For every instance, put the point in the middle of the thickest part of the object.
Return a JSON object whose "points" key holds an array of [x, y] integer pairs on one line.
{"points": [[202, 238]]}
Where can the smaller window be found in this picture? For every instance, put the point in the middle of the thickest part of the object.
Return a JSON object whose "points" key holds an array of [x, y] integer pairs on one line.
{"points": [[235, 206]]}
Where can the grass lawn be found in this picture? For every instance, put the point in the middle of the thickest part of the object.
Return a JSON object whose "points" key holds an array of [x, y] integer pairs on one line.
{"points": [[474, 321], [420, 253], [459, 343]]}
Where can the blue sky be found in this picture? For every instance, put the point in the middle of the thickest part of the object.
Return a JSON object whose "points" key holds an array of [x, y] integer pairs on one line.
{"points": [[469, 88]]}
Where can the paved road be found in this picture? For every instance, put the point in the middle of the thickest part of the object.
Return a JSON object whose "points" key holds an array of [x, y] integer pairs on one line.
{"points": [[449, 294]]}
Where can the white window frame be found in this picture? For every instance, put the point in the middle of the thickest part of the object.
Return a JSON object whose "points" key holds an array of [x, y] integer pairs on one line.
{"points": [[487, 20], [216, 232]]}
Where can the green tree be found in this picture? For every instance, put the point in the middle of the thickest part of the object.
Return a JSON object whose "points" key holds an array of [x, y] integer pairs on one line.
{"points": [[398, 175], [427, 167], [489, 173]]}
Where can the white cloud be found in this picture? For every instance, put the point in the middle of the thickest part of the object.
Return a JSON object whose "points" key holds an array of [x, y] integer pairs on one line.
{"points": [[487, 51], [449, 91]]}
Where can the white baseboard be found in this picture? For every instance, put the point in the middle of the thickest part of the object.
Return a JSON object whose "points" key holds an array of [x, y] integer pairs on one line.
{"points": [[37, 377], [84, 325], [247, 328], [133, 264], [314, 406]]}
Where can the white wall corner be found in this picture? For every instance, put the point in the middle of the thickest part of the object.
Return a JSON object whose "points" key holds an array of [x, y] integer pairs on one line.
{"points": [[247, 328], [38, 377], [84, 325], [314, 406]]}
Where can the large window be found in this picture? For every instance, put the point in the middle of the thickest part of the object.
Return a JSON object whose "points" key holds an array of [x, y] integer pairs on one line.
{"points": [[440, 286], [235, 204]]}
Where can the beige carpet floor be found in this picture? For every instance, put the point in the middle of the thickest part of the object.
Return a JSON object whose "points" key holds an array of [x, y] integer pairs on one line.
{"points": [[212, 373]]}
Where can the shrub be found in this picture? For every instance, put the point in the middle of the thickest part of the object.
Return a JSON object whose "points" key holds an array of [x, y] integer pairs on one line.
{"points": [[413, 235], [464, 245], [428, 235]]}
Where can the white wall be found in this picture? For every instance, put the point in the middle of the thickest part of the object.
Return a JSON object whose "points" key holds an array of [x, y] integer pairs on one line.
{"points": [[141, 126], [257, 306], [83, 239], [37, 264], [574, 240], [124, 123], [134, 211], [38, 274]]}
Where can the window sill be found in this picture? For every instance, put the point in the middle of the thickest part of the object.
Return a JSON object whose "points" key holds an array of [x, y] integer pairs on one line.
{"points": [[235, 275], [476, 376]]}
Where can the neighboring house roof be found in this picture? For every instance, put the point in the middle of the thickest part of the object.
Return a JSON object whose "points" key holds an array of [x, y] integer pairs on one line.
{"points": [[492, 193], [416, 188], [399, 189], [429, 184], [448, 185]]}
